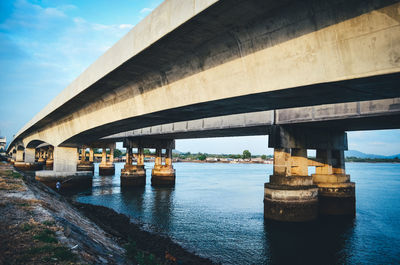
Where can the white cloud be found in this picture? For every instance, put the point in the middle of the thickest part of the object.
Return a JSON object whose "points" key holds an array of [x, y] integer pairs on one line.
{"points": [[125, 26], [146, 10]]}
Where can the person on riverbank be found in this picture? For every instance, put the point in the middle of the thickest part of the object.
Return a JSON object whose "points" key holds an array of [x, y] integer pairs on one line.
{"points": [[58, 186]]}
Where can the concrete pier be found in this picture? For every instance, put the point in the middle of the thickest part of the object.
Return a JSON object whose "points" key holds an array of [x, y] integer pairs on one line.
{"points": [[107, 167], [49, 158], [290, 195], [83, 164], [133, 175], [335, 191], [293, 195], [163, 175]]}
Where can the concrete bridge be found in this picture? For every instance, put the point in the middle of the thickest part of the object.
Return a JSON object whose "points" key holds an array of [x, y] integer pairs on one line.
{"points": [[198, 59]]}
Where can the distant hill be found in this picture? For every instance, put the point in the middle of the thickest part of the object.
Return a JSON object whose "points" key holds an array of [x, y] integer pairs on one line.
{"points": [[355, 153]]}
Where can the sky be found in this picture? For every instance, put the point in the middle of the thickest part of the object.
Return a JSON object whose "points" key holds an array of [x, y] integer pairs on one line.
{"points": [[45, 45]]}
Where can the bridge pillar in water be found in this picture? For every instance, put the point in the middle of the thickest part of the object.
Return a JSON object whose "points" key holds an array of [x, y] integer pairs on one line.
{"points": [[107, 168], [292, 195], [163, 175], [133, 175], [335, 191], [86, 165], [65, 170]]}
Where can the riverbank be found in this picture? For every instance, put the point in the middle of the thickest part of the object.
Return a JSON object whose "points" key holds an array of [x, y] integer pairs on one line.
{"points": [[40, 226]]}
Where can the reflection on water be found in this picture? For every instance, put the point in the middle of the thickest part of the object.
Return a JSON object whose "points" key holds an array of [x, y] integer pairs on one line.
{"points": [[133, 198], [320, 242], [162, 207], [216, 210]]}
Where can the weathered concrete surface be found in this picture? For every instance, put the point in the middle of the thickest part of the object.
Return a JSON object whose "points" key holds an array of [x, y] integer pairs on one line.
{"points": [[290, 203], [65, 159], [211, 58], [364, 115]]}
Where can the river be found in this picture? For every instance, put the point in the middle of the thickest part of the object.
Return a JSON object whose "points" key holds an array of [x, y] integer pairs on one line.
{"points": [[216, 211]]}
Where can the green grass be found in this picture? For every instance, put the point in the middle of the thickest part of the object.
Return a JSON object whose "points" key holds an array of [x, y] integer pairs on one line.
{"points": [[48, 223], [141, 258], [46, 236], [27, 227], [16, 175], [56, 252]]}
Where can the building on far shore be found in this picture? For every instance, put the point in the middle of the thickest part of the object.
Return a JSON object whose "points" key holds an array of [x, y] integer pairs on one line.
{"points": [[3, 142]]}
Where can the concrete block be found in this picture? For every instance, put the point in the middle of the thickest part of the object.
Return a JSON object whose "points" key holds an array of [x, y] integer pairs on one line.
{"points": [[65, 159], [259, 118], [195, 125], [180, 126], [167, 128], [30, 155]]}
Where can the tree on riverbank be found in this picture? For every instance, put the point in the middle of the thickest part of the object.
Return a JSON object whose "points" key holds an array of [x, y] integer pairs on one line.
{"points": [[246, 154]]}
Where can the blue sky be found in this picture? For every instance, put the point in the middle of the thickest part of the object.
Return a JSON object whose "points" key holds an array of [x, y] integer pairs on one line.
{"points": [[44, 45]]}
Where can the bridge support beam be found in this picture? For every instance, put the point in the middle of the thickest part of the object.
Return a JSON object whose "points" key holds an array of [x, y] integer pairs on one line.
{"points": [[335, 191], [107, 168], [133, 175], [65, 170]]}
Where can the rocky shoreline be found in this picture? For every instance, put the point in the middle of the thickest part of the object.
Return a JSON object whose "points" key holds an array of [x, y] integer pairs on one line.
{"points": [[39, 226]]}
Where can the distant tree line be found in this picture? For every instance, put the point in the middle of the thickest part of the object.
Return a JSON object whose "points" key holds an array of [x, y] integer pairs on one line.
{"points": [[373, 160]]}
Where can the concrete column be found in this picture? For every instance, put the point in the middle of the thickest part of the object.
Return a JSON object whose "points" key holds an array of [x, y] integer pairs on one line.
{"points": [[78, 157], [19, 156], [107, 168], [282, 165], [339, 166], [168, 157], [49, 160], [163, 175], [128, 156], [336, 191], [30, 155], [140, 156], [65, 159], [325, 157], [104, 156], [299, 165], [133, 175], [111, 155], [290, 195], [91, 155], [85, 165], [158, 160]]}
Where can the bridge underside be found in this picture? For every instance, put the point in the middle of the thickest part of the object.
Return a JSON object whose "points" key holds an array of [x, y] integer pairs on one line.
{"points": [[354, 116], [385, 86]]}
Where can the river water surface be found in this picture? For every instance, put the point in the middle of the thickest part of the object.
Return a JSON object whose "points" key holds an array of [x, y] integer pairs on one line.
{"points": [[216, 210]]}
